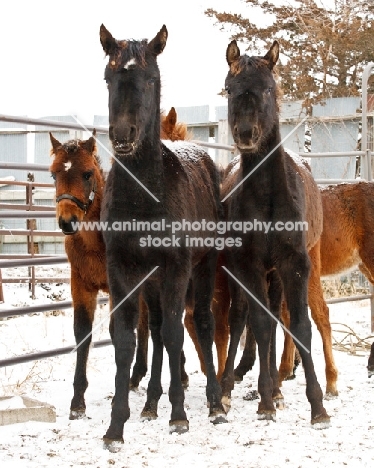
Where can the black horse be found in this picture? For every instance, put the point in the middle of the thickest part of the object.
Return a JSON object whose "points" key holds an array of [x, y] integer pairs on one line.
{"points": [[274, 264], [149, 183]]}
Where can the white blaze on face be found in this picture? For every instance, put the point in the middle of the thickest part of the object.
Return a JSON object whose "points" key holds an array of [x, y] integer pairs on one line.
{"points": [[130, 63], [67, 165]]}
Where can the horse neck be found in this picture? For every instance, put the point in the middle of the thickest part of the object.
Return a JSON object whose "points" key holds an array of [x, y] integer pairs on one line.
{"points": [[93, 238], [266, 164], [147, 164]]}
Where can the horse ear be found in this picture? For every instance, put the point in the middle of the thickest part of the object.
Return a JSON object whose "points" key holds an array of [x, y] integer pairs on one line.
{"points": [[158, 43], [232, 52], [89, 145], [172, 116], [107, 40], [272, 55], [55, 143]]}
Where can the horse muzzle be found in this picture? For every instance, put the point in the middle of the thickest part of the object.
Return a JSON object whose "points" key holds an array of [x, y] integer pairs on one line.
{"points": [[247, 140], [68, 227], [122, 148]]}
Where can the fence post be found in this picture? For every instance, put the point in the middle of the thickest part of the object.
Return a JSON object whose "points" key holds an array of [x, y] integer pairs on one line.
{"points": [[224, 157], [1, 288], [31, 224]]}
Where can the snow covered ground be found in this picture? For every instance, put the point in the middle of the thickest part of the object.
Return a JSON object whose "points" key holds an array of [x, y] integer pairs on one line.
{"points": [[243, 442]]}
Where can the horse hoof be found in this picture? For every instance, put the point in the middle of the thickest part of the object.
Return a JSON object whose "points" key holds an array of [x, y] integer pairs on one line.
{"points": [[179, 427], [331, 395], [238, 378], [251, 395], [218, 419], [322, 421], [148, 415], [77, 414], [114, 446], [370, 373], [290, 377], [279, 403], [267, 416], [149, 412], [185, 383], [226, 403]]}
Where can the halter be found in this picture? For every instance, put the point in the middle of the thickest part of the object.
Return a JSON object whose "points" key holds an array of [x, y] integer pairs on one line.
{"points": [[83, 206]]}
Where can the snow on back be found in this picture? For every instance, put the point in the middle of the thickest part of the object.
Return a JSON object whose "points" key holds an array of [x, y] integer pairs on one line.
{"points": [[299, 160]]}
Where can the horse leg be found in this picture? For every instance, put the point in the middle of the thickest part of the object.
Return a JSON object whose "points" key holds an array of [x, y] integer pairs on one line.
{"points": [[124, 322], [371, 361], [220, 309], [140, 367], [275, 300], [184, 375], [369, 273], [173, 296], [320, 315], [84, 309], [249, 355], [203, 280], [154, 389], [294, 271], [237, 319], [288, 355], [263, 329]]}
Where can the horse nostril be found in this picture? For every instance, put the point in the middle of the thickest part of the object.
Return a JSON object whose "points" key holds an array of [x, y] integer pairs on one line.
{"points": [[255, 132], [132, 135]]}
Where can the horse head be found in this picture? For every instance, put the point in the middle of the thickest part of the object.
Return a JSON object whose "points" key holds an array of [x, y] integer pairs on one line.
{"points": [[77, 175], [252, 97], [133, 79]]}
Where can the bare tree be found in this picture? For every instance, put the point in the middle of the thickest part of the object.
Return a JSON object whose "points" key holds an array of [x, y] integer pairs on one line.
{"points": [[324, 47]]}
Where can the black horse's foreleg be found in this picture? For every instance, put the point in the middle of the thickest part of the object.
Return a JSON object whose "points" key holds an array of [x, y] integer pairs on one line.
{"points": [[203, 278], [154, 389], [125, 319], [275, 301], [294, 272], [172, 332], [140, 367], [237, 319]]}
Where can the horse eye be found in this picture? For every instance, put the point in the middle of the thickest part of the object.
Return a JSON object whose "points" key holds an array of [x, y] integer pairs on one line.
{"points": [[151, 81], [53, 175], [228, 90], [87, 175], [269, 90]]}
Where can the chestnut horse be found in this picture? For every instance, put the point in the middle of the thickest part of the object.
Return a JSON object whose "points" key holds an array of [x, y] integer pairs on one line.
{"points": [[273, 264], [174, 184], [79, 182], [347, 241]]}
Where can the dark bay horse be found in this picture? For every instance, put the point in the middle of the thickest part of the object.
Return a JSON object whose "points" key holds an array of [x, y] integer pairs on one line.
{"points": [[79, 182], [270, 265], [149, 182]]}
